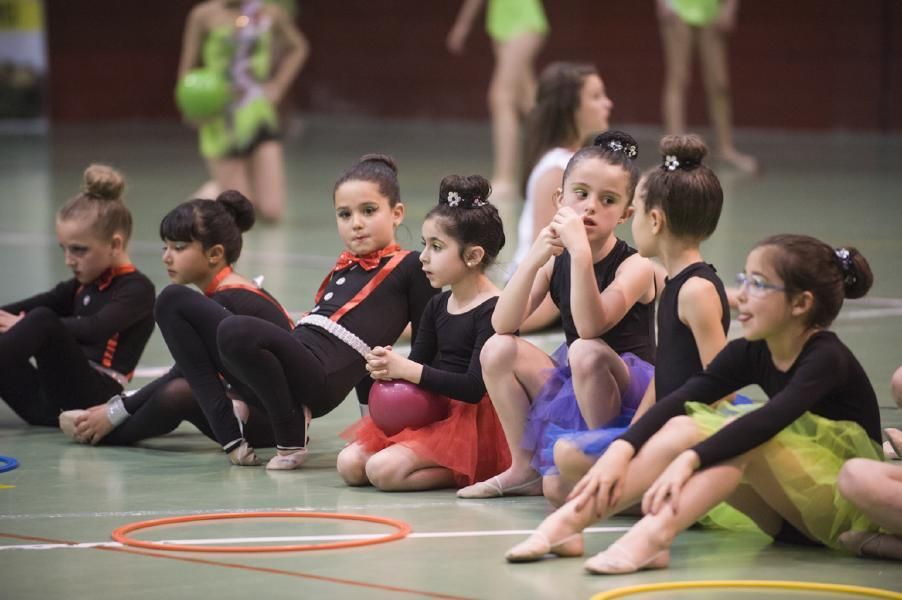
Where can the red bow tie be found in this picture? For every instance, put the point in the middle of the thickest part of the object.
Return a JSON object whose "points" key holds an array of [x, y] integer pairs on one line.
{"points": [[367, 262]]}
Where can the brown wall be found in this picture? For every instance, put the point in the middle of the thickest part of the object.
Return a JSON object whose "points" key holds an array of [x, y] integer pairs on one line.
{"points": [[820, 64]]}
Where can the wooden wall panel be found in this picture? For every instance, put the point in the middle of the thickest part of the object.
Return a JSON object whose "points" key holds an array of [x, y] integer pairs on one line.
{"points": [[828, 64]]}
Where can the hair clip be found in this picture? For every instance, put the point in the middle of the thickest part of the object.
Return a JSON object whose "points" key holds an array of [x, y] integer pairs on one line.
{"points": [[671, 163], [454, 200], [629, 151], [846, 265]]}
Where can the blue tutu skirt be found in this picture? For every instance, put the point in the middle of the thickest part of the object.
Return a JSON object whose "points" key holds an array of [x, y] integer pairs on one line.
{"points": [[555, 412]]}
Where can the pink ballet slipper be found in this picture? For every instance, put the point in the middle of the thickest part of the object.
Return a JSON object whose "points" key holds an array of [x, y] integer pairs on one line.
{"points": [[538, 545], [617, 560]]}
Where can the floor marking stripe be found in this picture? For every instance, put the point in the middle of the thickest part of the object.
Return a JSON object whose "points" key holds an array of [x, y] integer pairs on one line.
{"points": [[189, 511], [217, 563], [301, 538]]}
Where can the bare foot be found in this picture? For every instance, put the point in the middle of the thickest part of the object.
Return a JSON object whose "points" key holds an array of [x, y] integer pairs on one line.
{"points": [[742, 162]]}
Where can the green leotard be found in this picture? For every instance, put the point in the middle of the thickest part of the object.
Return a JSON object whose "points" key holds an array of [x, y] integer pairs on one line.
{"points": [[508, 18], [698, 13], [251, 116]]}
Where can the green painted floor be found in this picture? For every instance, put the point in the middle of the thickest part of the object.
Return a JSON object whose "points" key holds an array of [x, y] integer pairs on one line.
{"points": [[844, 188]]}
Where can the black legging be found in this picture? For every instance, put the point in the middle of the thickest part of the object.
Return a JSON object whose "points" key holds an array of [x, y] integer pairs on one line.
{"points": [[286, 374], [188, 322], [168, 401], [63, 378]]}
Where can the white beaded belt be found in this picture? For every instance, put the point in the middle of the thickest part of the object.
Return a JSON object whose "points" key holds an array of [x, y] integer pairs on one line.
{"points": [[115, 375], [338, 331]]}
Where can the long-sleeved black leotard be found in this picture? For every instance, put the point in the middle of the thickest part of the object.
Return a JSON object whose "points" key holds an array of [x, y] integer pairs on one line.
{"points": [[826, 379], [86, 341], [448, 347]]}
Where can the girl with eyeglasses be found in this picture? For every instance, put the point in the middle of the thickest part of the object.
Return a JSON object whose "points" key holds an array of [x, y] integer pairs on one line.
{"points": [[777, 461]]}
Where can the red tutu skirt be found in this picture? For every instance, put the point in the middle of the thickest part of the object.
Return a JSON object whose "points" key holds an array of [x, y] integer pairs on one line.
{"points": [[470, 441]]}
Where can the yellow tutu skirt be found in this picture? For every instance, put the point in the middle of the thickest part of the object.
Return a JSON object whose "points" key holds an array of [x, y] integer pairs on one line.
{"points": [[805, 459]]}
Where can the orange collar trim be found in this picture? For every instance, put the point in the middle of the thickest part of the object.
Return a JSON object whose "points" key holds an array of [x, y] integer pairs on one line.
{"points": [[107, 277], [214, 285]]}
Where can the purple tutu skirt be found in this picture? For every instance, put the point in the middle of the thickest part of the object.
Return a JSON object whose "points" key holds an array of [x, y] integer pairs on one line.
{"points": [[555, 412]]}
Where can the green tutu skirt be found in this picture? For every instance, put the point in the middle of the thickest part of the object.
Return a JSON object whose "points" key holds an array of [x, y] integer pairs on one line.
{"points": [[238, 132], [805, 459]]}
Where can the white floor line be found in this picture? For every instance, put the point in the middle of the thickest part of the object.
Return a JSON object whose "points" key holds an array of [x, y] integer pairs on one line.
{"points": [[301, 539], [344, 508]]}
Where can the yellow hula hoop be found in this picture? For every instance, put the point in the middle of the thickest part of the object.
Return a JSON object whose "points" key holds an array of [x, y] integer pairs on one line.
{"points": [[806, 586]]}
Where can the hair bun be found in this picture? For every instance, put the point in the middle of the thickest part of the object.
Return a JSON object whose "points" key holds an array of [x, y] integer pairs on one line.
{"points": [[682, 151], [383, 158], [464, 191], [103, 183], [856, 272], [618, 141], [239, 207]]}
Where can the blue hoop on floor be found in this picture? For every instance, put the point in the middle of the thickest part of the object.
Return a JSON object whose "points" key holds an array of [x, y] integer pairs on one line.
{"points": [[8, 463]]}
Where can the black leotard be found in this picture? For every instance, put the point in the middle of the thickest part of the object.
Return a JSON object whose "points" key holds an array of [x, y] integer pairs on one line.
{"points": [[635, 332], [677, 355], [448, 347], [826, 379]]}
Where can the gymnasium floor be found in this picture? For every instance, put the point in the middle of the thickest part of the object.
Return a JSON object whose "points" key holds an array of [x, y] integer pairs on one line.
{"points": [[58, 508]]}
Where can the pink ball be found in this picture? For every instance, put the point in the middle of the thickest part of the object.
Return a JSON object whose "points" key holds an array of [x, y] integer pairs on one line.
{"points": [[396, 405]]}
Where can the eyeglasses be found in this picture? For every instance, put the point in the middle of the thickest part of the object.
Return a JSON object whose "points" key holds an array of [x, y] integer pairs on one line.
{"points": [[755, 285]]}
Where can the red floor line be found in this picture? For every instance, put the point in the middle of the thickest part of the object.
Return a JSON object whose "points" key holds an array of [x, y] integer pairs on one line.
{"points": [[217, 563]]}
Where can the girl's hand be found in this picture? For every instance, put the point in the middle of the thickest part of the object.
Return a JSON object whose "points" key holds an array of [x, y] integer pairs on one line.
{"points": [[570, 228], [667, 487], [546, 245], [272, 92], [664, 10], [384, 363], [93, 426], [602, 486], [7, 320]]}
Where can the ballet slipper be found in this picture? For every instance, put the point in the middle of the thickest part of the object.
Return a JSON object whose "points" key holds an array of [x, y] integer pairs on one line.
{"points": [[287, 462], [67, 422], [894, 437], [869, 543], [617, 560], [538, 545], [492, 488], [244, 456]]}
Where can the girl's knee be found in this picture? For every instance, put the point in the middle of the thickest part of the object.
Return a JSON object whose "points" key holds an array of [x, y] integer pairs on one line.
{"points": [[231, 337], [570, 460], [42, 314], [168, 301], [382, 472], [351, 465], [850, 481], [498, 353], [555, 490], [896, 385], [588, 356], [43, 322], [679, 432]]}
